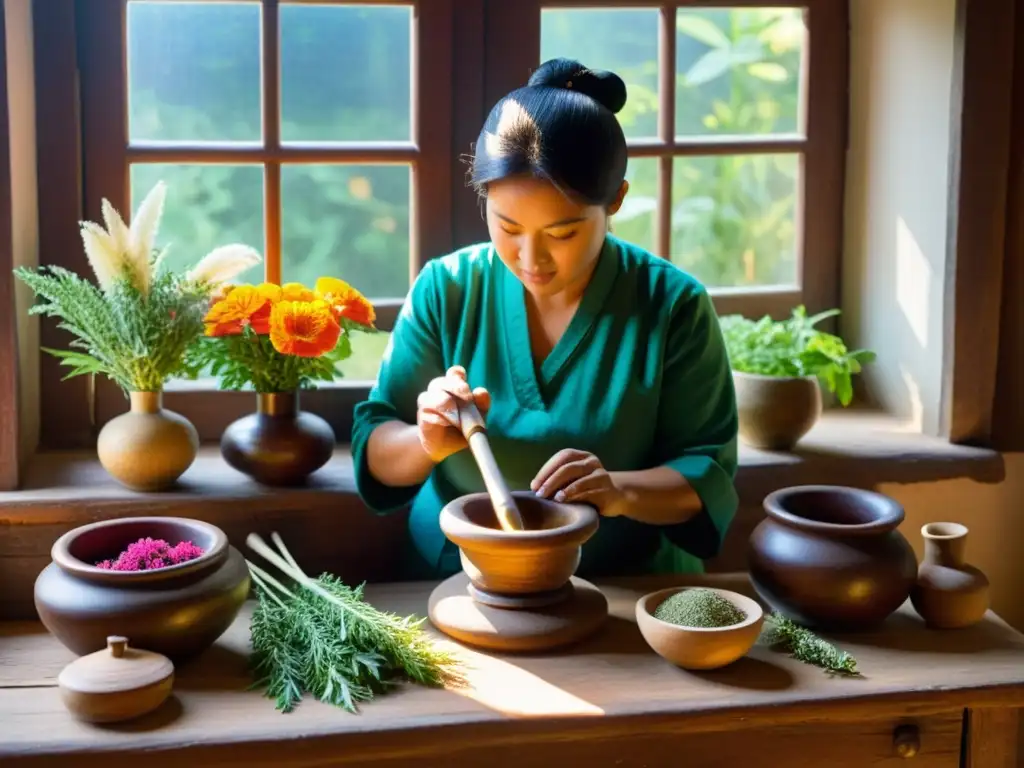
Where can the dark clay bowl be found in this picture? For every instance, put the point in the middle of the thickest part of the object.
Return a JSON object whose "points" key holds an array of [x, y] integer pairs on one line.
{"points": [[178, 611], [541, 558], [831, 557]]}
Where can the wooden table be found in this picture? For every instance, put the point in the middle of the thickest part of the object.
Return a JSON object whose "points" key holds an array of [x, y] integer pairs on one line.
{"points": [[609, 702]]}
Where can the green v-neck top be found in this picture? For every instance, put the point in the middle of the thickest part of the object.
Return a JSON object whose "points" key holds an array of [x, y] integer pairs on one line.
{"points": [[640, 378]]}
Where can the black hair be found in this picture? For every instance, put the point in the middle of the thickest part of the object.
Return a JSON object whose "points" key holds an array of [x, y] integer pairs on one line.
{"points": [[560, 126]]}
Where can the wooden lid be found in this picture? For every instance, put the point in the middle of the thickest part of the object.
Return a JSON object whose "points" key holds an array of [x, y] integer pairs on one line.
{"points": [[115, 669]]}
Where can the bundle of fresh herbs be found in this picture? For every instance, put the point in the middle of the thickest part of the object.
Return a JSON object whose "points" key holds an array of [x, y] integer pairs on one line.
{"points": [[321, 637], [793, 347], [803, 645]]}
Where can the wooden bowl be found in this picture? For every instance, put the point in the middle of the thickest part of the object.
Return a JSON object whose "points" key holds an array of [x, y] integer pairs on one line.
{"points": [[177, 611], [541, 558], [696, 647]]}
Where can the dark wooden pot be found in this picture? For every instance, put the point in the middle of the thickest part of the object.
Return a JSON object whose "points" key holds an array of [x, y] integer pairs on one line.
{"points": [[178, 611], [775, 412], [280, 444], [830, 557]]}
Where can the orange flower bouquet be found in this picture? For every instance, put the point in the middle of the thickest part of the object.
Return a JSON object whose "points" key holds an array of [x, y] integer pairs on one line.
{"points": [[283, 338], [280, 339]]}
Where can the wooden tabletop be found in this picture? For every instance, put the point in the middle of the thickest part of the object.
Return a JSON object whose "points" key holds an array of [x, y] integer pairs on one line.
{"points": [[611, 682]]}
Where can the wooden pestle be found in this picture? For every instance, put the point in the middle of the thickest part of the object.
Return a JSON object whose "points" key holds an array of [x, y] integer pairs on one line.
{"points": [[472, 424]]}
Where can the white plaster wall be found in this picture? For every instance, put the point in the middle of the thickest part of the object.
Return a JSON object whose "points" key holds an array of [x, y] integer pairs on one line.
{"points": [[896, 198]]}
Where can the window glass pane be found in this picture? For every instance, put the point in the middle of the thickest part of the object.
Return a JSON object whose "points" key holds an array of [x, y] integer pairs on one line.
{"points": [[738, 70], [734, 219], [637, 219], [345, 73], [367, 351], [347, 221], [623, 41], [194, 71], [206, 206]]}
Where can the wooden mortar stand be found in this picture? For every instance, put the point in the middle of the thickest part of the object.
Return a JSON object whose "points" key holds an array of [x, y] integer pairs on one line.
{"points": [[517, 591], [475, 432]]}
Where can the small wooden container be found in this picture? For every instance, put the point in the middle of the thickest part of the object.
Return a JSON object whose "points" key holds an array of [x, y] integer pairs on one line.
{"points": [[116, 684]]}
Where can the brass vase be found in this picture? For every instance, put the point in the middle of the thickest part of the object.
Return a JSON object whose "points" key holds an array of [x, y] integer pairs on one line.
{"points": [[148, 448], [279, 444]]}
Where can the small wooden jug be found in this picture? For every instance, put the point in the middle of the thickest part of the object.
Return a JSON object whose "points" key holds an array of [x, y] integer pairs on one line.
{"points": [[116, 684]]}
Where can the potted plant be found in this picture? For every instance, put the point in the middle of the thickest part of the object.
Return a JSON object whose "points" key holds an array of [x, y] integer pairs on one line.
{"points": [[279, 340], [135, 325], [778, 370]]}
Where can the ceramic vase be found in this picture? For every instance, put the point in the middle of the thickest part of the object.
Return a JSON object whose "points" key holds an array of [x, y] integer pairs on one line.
{"points": [[775, 412], [147, 448], [831, 557], [280, 444], [178, 611], [949, 594]]}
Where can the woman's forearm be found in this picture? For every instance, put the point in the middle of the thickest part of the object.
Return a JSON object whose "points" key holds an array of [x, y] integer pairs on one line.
{"points": [[658, 496], [395, 455]]}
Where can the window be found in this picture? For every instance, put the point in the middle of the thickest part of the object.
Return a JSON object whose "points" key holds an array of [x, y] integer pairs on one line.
{"points": [[314, 132], [329, 134], [735, 124]]}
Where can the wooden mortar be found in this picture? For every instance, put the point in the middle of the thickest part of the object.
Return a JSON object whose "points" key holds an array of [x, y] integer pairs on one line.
{"points": [[511, 567]]}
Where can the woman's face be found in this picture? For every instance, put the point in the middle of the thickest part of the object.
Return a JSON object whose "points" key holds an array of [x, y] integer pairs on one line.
{"points": [[548, 241]]}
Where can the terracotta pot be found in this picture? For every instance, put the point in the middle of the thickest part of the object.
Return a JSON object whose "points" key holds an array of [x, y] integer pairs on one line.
{"points": [[178, 611], [541, 558], [831, 557], [279, 444], [699, 647], [774, 411], [949, 594], [148, 448]]}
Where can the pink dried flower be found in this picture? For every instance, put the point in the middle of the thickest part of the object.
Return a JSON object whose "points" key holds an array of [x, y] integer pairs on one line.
{"points": [[148, 554]]}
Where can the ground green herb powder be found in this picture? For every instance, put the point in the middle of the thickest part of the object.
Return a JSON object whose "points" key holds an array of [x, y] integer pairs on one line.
{"points": [[699, 608]]}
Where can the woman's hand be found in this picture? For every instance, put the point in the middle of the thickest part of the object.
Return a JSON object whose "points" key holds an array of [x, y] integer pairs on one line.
{"points": [[578, 476], [437, 413]]}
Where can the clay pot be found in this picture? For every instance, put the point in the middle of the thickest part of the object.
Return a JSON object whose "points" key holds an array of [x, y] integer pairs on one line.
{"points": [[177, 611], [148, 448], [776, 411], [831, 557], [949, 594], [699, 647], [539, 559], [280, 444]]}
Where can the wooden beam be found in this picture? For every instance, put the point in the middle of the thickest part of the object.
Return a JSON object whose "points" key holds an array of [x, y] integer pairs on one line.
{"points": [[10, 434], [981, 106], [65, 419]]}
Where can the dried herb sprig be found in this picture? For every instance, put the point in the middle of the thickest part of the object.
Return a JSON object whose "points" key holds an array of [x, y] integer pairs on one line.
{"points": [[322, 637], [786, 635]]}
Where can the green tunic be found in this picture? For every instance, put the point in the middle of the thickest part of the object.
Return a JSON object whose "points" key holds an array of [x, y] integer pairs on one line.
{"points": [[640, 378]]}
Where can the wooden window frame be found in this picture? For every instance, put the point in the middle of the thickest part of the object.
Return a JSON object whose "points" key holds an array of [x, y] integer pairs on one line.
{"points": [[81, 83], [513, 47], [107, 155]]}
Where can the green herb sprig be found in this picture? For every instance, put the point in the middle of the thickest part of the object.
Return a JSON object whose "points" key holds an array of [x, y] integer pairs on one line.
{"points": [[321, 637], [789, 637], [794, 347], [137, 339]]}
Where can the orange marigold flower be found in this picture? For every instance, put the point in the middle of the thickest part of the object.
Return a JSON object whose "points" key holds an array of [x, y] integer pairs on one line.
{"points": [[303, 328], [244, 305], [296, 292], [345, 301]]}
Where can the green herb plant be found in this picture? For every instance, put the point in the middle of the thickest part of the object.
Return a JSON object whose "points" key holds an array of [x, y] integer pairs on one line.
{"points": [[137, 322], [794, 347], [789, 637], [321, 637]]}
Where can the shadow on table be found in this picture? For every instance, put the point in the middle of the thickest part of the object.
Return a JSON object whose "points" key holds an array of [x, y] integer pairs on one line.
{"points": [[906, 633]]}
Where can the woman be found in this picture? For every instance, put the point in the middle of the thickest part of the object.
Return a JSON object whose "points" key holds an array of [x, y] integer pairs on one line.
{"points": [[600, 368]]}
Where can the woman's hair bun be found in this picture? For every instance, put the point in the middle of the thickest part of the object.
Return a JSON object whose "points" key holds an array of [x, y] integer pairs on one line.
{"points": [[606, 88]]}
